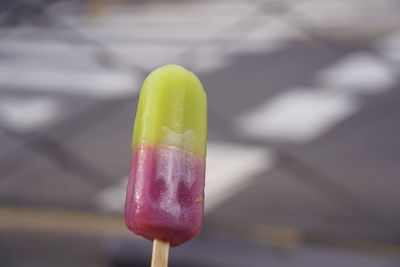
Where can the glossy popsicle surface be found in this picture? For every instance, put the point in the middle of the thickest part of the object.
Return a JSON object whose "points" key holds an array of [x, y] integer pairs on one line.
{"points": [[165, 193]]}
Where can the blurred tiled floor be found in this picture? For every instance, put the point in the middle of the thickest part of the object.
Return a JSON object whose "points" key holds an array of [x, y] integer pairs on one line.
{"points": [[312, 109]]}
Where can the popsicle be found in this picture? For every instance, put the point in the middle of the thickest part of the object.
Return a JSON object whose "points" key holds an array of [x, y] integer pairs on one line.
{"points": [[165, 192]]}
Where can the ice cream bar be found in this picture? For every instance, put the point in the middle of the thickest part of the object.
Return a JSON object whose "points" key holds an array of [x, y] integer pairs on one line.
{"points": [[165, 193]]}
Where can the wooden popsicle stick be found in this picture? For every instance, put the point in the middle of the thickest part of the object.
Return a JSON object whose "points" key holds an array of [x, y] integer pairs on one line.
{"points": [[160, 253]]}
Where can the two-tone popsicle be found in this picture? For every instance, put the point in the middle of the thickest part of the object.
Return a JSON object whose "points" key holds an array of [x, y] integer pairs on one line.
{"points": [[165, 193]]}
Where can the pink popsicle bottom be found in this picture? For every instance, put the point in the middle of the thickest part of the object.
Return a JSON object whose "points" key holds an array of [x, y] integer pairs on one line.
{"points": [[165, 194]]}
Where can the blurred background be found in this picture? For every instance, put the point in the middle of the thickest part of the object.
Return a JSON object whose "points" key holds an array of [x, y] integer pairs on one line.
{"points": [[304, 126]]}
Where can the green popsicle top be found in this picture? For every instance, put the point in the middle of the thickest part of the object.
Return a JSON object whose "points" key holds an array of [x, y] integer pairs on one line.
{"points": [[172, 111]]}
